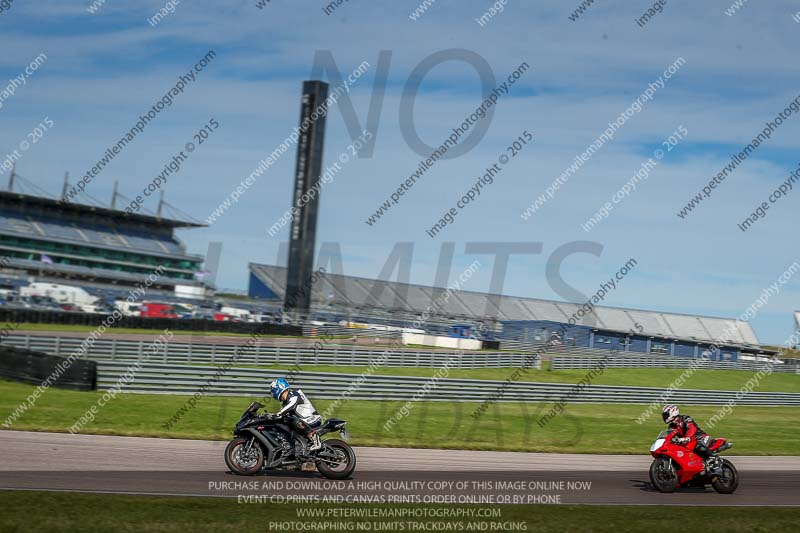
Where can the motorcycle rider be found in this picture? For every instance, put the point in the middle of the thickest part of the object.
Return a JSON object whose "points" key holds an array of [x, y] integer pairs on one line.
{"points": [[305, 418], [685, 429]]}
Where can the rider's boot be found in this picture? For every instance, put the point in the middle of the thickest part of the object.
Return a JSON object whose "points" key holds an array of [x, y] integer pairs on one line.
{"points": [[316, 443], [712, 465], [716, 465]]}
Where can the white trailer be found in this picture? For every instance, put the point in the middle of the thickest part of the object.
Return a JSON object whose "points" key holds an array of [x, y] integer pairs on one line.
{"points": [[63, 294], [245, 315]]}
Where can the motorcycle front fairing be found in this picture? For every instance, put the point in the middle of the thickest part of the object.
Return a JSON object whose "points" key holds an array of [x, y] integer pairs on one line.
{"points": [[659, 440], [247, 417]]}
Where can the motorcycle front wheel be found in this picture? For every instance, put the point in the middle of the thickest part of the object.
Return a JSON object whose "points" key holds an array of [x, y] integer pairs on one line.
{"points": [[336, 460], [727, 482], [241, 460], [663, 475]]}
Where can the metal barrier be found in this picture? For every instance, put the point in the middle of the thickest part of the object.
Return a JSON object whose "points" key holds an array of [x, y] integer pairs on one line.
{"points": [[310, 330], [562, 357], [192, 353], [620, 361], [184, 379]]}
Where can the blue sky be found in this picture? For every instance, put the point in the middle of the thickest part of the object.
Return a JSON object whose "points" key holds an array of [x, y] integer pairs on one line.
{"points": [[103, 70]]}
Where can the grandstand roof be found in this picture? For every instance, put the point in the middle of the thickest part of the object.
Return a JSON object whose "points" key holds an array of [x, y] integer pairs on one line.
{"points": [[27, 200], [362, 292]]}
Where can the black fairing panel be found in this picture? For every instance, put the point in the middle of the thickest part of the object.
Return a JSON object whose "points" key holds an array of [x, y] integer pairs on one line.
{"points": [[332, 424]]}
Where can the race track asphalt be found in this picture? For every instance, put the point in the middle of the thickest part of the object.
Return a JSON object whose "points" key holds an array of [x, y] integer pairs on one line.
{"points": [[132, 465]]}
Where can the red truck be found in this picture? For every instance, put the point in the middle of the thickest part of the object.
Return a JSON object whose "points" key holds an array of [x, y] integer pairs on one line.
{"points": [[157, 310]]}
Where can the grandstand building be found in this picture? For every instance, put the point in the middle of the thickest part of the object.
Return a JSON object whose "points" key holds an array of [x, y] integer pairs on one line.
{"points": [[529, 321], [84, 244]]}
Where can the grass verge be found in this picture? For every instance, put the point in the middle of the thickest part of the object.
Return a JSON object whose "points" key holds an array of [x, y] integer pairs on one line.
{"points": [[582, 428], [64, 512]]}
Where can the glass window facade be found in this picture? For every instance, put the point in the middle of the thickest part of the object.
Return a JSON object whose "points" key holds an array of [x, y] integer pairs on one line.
{"points": [[99, 258]]}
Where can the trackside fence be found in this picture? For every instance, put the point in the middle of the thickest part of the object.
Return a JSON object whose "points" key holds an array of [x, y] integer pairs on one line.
{"points": [[187, 379], [176, 351], [194, 353], [588, 362]]}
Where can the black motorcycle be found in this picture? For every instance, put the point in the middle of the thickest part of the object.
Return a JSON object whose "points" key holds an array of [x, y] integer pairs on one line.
{"points": [[270, 442]]}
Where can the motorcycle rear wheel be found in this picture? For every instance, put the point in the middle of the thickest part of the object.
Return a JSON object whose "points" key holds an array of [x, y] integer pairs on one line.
{"points": [[728, 481], [663, 475], [240, 465], [345, 452]]}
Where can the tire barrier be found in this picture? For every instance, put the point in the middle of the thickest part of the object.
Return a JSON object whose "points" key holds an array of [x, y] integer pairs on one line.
{"points": [[28, 366]]}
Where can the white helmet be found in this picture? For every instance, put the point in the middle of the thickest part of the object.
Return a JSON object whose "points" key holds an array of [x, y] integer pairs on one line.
{"points": [[669, 412]]}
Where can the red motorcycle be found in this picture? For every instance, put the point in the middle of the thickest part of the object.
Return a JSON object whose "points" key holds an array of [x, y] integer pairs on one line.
{"points": [[678, 466]]}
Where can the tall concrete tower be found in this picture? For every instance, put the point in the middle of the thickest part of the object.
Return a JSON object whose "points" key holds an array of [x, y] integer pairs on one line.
{"points": [[304, 224]]}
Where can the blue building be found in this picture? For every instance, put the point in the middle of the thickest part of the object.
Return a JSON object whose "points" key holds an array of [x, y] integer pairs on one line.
{"points": [[633, 341], [513, 318]]}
